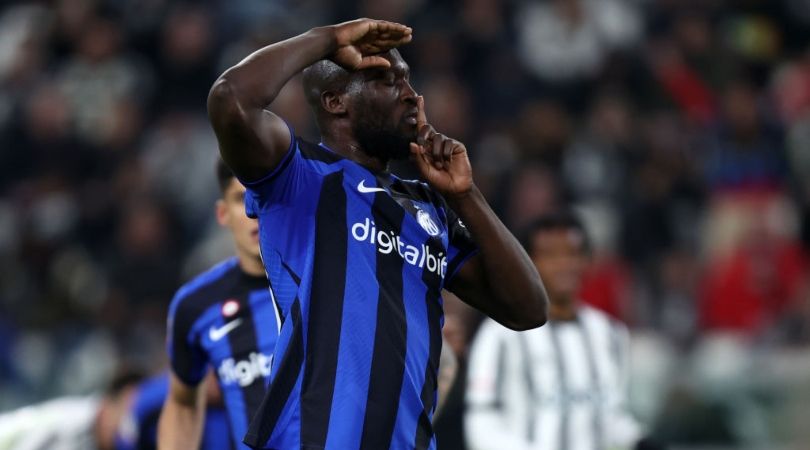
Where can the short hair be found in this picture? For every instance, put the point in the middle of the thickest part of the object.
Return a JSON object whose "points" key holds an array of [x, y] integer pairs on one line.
{"points": [[224, 175], [123, 378], [321, 76], [560, 220]]}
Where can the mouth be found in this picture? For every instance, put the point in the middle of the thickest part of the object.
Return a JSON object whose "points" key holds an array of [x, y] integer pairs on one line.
{"points": [[255, 233], [410, 117]]}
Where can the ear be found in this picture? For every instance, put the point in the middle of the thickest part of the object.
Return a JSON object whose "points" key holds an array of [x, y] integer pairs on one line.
{"points": [[222, 213], [333, 103]]}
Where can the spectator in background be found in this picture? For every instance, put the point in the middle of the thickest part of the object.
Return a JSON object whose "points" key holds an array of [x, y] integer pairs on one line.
{"points": [[597, 162], [46, 145], [662, 209], [565, 42], [544, 131], [185, 58], [100, 76], [744, 152], [181, 143], [791, 89], [533, 190], [568, 39], [560, 386], [144, 252], [756, 270], [594, 172]]}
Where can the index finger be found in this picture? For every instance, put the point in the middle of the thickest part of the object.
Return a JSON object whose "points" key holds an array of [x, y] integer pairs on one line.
{"points": [[421, 119], [385, 26]]}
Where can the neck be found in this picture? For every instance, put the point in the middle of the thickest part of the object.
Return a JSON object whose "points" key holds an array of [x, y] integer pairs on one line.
{"points": [[562, 309], [251, 265], [342, 141]]}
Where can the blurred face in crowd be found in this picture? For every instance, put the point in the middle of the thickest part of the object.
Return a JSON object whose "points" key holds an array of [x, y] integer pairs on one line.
{"points": [[561, 258], [231, 215], [740, 107]]}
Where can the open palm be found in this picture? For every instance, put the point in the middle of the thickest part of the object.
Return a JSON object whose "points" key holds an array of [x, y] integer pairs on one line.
{"points": [[360, 41]]}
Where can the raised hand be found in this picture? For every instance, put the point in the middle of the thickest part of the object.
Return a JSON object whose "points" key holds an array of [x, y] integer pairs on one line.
{"points": [[360, 41], [442, 161]]}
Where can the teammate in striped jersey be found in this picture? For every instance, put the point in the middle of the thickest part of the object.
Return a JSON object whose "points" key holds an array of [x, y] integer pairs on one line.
{"points": [[223, 320], [560, 387], [357, 257]]}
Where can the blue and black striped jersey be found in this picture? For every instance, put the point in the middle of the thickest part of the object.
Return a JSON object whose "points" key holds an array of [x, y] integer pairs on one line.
{"points": [[356, 262], [225, 319], [138, 427]]}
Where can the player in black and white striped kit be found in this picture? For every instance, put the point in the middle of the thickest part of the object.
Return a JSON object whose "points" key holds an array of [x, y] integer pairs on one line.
{"points": [[560, 387]]}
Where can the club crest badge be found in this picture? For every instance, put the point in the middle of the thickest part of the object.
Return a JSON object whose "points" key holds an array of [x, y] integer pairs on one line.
{"points": [[427, 223], [230, 308]]}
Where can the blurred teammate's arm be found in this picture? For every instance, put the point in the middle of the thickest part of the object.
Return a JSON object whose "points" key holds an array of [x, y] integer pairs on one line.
{"points": [[252, 140], [181, 421]]}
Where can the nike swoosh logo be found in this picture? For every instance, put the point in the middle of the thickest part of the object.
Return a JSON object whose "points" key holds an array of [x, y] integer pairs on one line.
{"points": [[368, 190], [218, 333]]}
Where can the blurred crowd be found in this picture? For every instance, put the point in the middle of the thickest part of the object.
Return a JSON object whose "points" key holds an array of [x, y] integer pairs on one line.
{"points": [[678, 130]]}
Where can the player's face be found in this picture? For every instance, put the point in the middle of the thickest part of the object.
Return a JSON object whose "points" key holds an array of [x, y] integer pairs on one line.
{"points": [[383, 109], [560, 258], [231, 215]]}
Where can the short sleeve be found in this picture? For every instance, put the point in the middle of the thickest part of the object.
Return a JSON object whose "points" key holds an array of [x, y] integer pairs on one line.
{"points": [[460, 245], [187, 358], [277, 185]]}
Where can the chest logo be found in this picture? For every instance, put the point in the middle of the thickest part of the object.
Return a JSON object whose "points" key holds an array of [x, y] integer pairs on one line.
{"points": [[363, 189], [218, 333], [427, 223]]}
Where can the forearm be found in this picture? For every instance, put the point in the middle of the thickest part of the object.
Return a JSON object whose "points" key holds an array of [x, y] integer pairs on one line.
{"points": [[180, 426], [257, 80], [509, 275], [181, 420]]}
